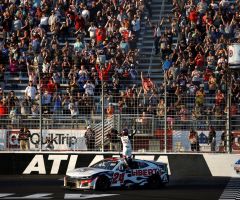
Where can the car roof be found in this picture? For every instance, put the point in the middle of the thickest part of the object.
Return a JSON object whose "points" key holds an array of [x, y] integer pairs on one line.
{"points": [[113, 159], [121, 159]]}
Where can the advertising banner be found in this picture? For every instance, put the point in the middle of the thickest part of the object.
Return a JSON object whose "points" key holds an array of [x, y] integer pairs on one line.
{"points": [[236, 142], [181, 142], [2, 139], [65, 139], [223, 165], [59, 163], [12, 139], [61, 139], [234, 56]]}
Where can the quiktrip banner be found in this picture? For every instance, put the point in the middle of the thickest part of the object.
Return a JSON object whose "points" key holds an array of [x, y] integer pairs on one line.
{"points": [[62, 139], [67, 139], [3, 139]]}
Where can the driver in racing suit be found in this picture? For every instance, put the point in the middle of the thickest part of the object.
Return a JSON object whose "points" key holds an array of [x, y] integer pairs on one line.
{"points": [[127, 146]]}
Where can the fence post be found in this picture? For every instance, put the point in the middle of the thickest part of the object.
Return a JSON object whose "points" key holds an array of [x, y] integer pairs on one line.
{"points": [[153, 123], [103, 111], [228, 123], [165, 113], [40, 110], [119, 123]]}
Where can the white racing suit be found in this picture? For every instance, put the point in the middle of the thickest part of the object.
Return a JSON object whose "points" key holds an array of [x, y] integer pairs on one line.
{"points": [[127, 147]]}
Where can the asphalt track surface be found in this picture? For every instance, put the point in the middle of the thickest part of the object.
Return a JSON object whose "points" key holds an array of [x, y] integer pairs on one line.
{"points": [[188, 188]]}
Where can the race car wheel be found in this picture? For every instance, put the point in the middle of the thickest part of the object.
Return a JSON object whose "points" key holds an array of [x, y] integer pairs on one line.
{"points": [[103, 183], [154, 182]]}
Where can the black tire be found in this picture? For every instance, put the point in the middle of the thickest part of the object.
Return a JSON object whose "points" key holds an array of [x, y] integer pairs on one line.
{"points": [[154, 182], [163, 184], [103, 183]]}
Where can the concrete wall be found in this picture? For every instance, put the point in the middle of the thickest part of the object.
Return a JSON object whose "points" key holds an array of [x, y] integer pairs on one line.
{"points": [[20, 163]]}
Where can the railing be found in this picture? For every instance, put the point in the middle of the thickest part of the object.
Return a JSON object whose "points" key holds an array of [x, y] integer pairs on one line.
{"points": [[69, 134], [133, 110]]}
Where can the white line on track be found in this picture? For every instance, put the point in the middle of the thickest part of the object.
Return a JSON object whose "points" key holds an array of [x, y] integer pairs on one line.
{"points": [[232, 190]]}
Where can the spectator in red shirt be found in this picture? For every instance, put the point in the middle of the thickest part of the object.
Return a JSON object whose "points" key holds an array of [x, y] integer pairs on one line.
{"points": [[193, 16], [79, 23], [207, 20], [100, 34], [206, 75], [51, 86], [199, 60], [3, 112], [126, 75], [3, 109], [13, 66], [103, 73], [219, 98], [69, 13], [147, 84]]}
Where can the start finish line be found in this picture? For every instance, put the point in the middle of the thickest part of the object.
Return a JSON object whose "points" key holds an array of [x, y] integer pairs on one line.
{"points": [[51, 196]]}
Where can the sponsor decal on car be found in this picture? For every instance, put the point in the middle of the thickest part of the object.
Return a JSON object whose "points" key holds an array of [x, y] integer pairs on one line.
{"points": [[144, 172]]}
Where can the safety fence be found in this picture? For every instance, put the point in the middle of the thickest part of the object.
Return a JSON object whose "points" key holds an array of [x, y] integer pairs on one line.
{"points": [[68, 134], [64, 113]]}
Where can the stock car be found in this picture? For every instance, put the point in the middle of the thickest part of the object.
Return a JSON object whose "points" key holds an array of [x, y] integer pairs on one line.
{"points": [[114, 173], [237, 166]]}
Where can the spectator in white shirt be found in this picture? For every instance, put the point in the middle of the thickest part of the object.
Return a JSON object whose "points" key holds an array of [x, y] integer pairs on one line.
{"points": [[52, 19], [92, 32], [136, 25], [85, 14], [30, 91], [44, 22], [73, 107], [89, 88], [17, 24]]}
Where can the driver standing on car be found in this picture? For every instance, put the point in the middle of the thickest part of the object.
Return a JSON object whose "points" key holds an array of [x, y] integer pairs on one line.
{"points": [[127, 146]]}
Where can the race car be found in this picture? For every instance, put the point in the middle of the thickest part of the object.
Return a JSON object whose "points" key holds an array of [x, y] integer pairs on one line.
{"points": [[114, 172], [237, 166]]}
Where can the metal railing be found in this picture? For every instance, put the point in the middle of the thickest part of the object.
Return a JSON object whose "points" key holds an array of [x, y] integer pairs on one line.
{"points": [[136, 112], [150, 134]]}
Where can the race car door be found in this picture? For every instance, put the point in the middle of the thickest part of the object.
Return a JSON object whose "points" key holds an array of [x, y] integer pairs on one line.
{"points": [[121, 175]]}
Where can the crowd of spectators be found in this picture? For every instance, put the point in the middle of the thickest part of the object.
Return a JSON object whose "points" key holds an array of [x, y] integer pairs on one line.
{"points": [[196, 69], [81, 44], [89, 45]]}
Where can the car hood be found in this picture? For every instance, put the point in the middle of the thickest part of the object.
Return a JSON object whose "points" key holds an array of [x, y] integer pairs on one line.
{"points": [[85, 172]]}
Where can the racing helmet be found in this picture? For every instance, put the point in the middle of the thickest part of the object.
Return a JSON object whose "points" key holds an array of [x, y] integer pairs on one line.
{"points": [[125, 131]]}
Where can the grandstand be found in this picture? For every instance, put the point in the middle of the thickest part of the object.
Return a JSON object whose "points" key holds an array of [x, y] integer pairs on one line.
{"points": [[108, 47]]}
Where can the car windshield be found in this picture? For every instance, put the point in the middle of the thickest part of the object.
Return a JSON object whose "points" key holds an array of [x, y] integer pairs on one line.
{"points": [[105, 164]]}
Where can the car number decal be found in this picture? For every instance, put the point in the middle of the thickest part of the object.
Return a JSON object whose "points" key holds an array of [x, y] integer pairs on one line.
{"points": [[118, 177]]}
